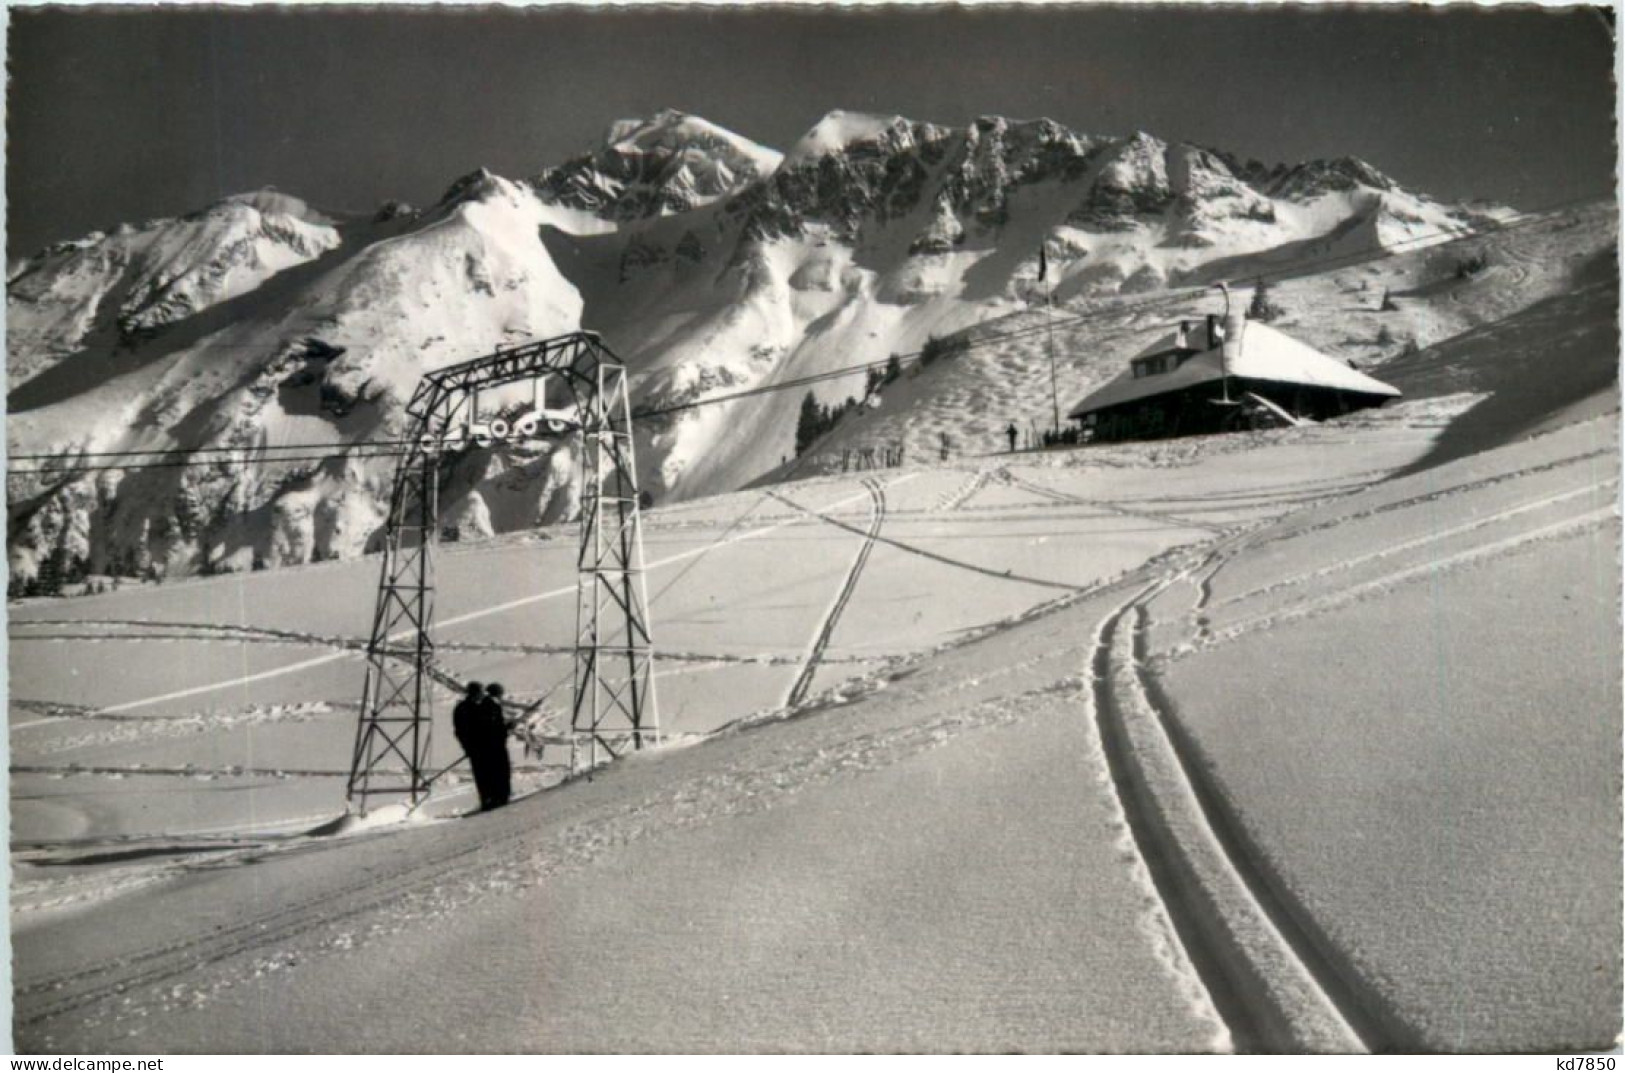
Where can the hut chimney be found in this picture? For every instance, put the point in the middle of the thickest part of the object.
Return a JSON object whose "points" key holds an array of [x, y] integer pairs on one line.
{"points": [[1229, 329], [1234, 326]]}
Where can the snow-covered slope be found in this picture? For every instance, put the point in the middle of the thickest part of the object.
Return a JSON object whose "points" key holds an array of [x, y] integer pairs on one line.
{"points": [[124, 286], [971, 398], [710, 263], [1239, 743], [328, 364]]}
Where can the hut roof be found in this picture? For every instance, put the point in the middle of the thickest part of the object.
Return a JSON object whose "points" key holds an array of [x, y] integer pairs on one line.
{"points": [[1260, 353]]}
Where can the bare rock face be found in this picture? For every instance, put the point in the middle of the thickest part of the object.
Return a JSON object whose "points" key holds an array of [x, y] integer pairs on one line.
{"points": [[1210, 199]]}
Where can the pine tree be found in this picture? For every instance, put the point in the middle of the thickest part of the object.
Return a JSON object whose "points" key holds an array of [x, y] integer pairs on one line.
{"points": [[1387, 305], [1262, 309], [938, 347], [873, 382], [807, 423], [188, 512], [50, 573], [894, 369]]}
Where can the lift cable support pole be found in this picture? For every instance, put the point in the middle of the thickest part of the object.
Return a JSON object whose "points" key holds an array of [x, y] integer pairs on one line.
{"points": [[1224, 344], [614, 707], [1049, 336], [614, 672]]}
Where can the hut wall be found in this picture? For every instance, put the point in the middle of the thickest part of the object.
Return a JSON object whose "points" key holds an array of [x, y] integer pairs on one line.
{"points": [[1194, 411]]}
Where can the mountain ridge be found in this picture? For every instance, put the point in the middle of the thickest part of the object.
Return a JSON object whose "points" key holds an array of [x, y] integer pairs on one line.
{"points": [[708, 262]]}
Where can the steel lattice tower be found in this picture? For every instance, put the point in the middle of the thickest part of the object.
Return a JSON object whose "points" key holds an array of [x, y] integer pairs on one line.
{"points": [[612, 635], [614, 706]]}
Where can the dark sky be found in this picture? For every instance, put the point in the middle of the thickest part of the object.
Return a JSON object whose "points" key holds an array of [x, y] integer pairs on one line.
{"points": [[119, 115]]}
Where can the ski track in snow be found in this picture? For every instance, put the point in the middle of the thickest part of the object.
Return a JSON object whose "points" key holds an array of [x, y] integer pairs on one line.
{"points": [[452, 878], [1324, 601], [129, 730], [826, 629], [1435, 495], [1113, 508], [1275, 977], [959, 497], [1418, 542], [1475, 556], [1282, 983], [875, 536], [202, 632], [421, 891], [1219, 918], [479, 613], [1256, 976], [1160, 924]]}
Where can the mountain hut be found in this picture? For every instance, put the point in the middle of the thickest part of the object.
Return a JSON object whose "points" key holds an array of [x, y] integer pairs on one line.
{"points": [[1224, 375]]}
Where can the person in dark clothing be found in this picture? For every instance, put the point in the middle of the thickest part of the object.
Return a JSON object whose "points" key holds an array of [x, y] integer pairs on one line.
{"points": [[469, 721], [1011, 432], [494, 722]]}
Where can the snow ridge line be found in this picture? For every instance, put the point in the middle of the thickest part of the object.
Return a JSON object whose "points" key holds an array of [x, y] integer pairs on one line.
{"points": [[826, 629], [1256, 976]]}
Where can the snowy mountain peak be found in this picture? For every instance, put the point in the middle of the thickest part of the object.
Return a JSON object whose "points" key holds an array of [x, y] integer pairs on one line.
{"points": [[467, 187], [272, 202], [671, 131], [119, 288], [668, 163], [1314, 178], [841, 131]]}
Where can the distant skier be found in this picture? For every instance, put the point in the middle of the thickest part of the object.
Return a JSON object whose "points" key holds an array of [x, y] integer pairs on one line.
{"points": [[469, 723], [495, 726], [1011, 432]]}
